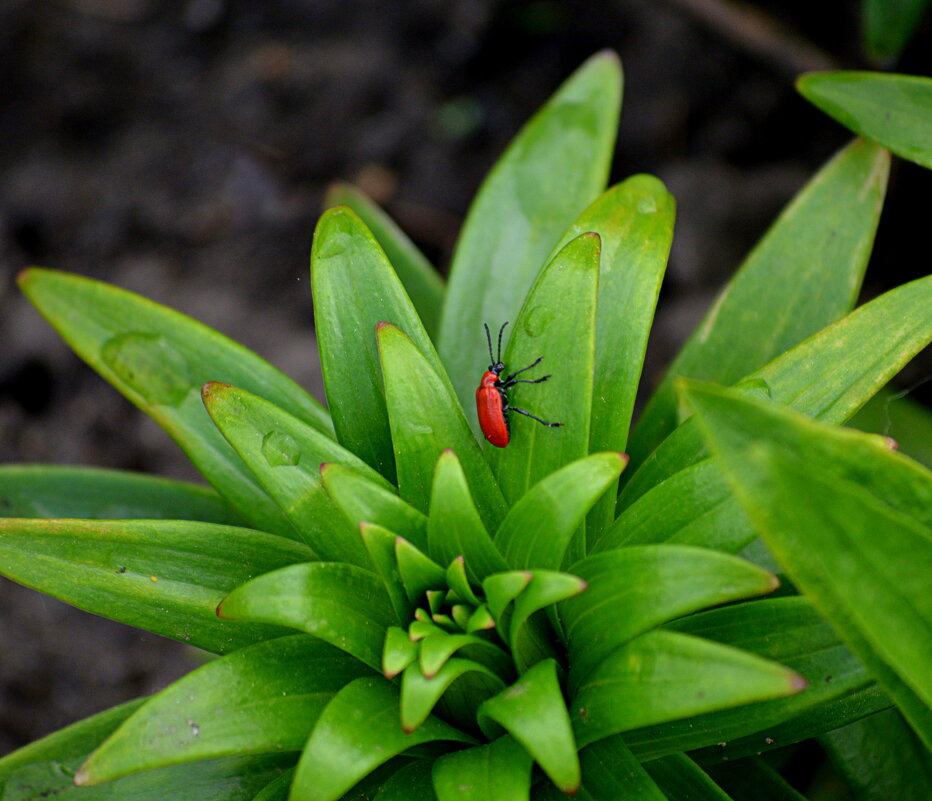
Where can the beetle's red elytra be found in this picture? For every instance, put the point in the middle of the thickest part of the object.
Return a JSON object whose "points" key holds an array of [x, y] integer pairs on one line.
{"points": [[492, 395]]}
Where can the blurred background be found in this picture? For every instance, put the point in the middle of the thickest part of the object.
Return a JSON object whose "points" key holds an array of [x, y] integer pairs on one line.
{"points": [[182, 149]]}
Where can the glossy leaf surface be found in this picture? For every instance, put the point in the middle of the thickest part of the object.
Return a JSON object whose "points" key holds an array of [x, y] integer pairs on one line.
{"points": [[556, 165], [681, 779], [498, 771], [165, 576]]}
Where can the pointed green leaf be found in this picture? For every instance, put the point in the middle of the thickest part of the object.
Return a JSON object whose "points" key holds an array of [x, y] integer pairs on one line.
{"points": [[894, 414], [803, 275], [556, 165], [418, 573], [358, 731], [502, 588], [888, 24], [165, 576], [380, 543], [532, 711], [681, 779], [159, 359], [55, 491], [421, 281], [753, 780], [420, 693], [436, 649], [261, 699], [412, 782], [459, 583], [454, 527], [538, 529], [787, 630], [557, 324], [547, 587], [663, 675], [276, 790], [633, 590], [355, 288], [285, 454], [364, 501], [893, 110], [426, 420], [498, 771], [399, 652], [341, 604]]}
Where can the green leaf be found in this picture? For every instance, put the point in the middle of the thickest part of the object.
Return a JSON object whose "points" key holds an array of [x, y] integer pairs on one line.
{"points": [[502, 588], [165, 576], [803, 275], [895, 414], [863, 563], [547, 587], [426, 420], [753, 779], [664, 675], [365, 501], [538, 529], [645, 586], [888, 24], [557, 323], [893, 110], [437, 648], [341, 604], [54, 491], [532, 710], [358, 731], [285, 454], [828, 377], [237, 778], [159, 359], [786, 630], [498, 771], [261, 699], [682, 780], [421, 281], [380, 543], [418, 573], [555, 166], [276, 790], [420, 693], [881, 758], [355, 288], [454, 527], [411, 783], [611, 772]]}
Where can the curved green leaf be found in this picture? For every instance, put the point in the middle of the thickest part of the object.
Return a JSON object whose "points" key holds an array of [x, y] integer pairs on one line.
{"points": [[803, 275], [426, 420], [261, 699], [285, 454], [547, 588], [410, 783], [159, 359], [355, 288], [888, 24], [611, 772], [380, 543], [681, 779], [418, 572], [664, 675], [165, 576], [358, 731], [421, 281], [538, 529], [55, 491], [556, 322], [341, 604], [532, 710], [498, 771], [420, 693], [555, 166], [893, 110], [276, 790], [753, 780], [633, 590], [454, 527]]}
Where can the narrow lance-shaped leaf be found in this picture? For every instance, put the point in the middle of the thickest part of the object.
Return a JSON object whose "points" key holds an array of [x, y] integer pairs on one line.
{"points": [[803, 275], [893, 110], [285, 454], [56, 491], [358, 731], [426, 420], [556, 165], [498, 771], [159, 359], [411, 782], [663, 675], [681, 779], [355, 288], [165, 576], [421, 281], [262, 699], [888, 24], [341, 604], [557, 324], [420, 693]]}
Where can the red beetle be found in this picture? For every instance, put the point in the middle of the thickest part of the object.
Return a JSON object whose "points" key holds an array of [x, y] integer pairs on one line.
{"points": [[492, 396]]}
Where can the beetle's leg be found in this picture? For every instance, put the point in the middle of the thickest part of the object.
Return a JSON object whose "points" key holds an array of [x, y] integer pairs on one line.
{"points": [[524, 381], [528, 414], [518, 372]]}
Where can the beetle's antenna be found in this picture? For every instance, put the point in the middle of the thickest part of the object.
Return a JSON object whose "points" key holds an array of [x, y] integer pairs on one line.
{"points": [[488, 336], [500, 332]]}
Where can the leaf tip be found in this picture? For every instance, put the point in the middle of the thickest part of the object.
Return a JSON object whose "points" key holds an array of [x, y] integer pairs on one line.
{"points": [[891, 443], [83, 778], [25, 276], [219, 611], [212, 389], [798, 682]]}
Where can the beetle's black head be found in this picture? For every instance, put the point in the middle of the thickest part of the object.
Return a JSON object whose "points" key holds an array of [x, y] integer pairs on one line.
{"points": [[496, 368]]}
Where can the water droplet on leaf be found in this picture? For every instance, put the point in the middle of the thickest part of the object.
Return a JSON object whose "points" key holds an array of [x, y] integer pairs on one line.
{"points": [[280, 450], [150, 366], [647, 205]]}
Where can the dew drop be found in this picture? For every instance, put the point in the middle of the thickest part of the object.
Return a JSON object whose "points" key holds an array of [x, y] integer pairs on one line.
{"points": [[536, 320], [755, 388], [647, 204], [280, 450], [150, 366]]}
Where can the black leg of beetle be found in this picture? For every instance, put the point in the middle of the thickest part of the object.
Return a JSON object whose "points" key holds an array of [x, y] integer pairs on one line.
{"points": [[528, 414], [524, 381], [518, 372]]}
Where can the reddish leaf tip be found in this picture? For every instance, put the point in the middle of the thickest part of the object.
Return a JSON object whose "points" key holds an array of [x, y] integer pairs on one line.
{"points": [[798, 682], [82, 778], [212, 388], [891, 443], [381, 324], [773, 581], [219, 612], [324, 466]]}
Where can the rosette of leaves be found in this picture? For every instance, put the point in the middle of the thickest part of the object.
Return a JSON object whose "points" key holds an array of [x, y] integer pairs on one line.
{"points": [[400, 613]]}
